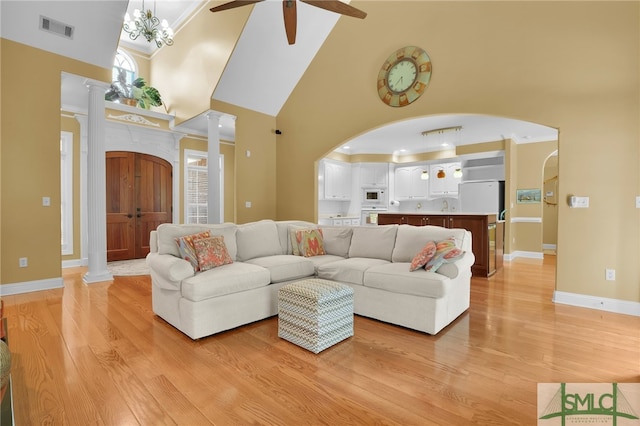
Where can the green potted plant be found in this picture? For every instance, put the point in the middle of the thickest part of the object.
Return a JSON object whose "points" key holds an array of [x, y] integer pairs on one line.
{"points": [[134, 94]]}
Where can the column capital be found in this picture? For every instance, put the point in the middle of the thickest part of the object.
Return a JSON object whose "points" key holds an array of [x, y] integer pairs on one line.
{"points": [[211, 115], [90, 83]]}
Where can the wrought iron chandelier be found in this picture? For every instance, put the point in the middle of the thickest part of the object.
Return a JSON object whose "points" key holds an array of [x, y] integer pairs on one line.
{"points": [[148, 25]]}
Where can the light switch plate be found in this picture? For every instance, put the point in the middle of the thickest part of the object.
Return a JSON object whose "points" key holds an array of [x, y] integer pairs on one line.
{"points": [[46, 201], [637, 201]]}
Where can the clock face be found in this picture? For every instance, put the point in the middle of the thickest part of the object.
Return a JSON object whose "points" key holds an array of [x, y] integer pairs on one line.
{"points": [[404, 76]]}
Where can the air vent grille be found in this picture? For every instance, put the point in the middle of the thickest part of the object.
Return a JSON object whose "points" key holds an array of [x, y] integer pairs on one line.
{"points": [[56, 27]]}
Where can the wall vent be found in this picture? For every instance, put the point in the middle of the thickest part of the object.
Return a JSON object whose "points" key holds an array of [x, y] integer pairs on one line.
{"points": [[56, 27]]}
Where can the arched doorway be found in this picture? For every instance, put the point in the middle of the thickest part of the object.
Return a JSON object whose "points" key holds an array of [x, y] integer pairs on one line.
{"points": [[139, 198]]}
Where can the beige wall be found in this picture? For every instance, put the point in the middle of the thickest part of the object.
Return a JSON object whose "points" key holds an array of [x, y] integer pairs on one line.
{"points": [[255, 176], [30, 158], [533, 61]]}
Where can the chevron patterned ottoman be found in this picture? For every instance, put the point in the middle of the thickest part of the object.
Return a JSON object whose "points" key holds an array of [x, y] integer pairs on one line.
{"points": [[315, 313]]}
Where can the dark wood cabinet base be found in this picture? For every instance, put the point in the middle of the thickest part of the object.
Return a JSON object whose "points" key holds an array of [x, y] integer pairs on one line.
{"points": [[487, 235]]}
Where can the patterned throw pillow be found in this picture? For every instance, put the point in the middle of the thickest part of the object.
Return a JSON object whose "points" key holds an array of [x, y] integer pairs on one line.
{"points": [[309, 242], [292, 237], [187, 249], [211, 252], [425, 255], [446, 252]]}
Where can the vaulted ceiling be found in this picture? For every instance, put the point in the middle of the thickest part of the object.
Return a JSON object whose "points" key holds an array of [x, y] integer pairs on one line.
{"points": [[97, 31]]}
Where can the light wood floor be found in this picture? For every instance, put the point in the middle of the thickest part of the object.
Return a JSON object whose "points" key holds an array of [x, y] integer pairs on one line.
{"points": [[96, 354]]}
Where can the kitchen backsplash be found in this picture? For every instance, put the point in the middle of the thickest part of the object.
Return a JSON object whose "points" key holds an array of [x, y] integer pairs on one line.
{"points": [[437, 205]]}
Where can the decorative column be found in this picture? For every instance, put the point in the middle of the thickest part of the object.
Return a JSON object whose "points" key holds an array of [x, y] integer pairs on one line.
{"points": [[96, 184], [213, 168]]}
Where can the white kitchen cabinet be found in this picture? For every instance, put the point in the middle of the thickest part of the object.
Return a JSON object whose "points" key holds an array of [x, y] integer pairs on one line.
{"points": [[409, 183], [374, 175], [340, 221], [337, 180], [446, 186]]}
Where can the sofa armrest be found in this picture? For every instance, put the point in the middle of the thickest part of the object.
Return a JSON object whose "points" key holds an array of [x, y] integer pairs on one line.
{"points": [[452, 270], [169, 269]]}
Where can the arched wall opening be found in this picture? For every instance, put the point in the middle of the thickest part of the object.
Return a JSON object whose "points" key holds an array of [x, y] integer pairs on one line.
{"points": [[485, 148]]}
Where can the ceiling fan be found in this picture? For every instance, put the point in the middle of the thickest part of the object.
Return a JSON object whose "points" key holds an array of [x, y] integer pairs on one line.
{"points": [[290, 15]]}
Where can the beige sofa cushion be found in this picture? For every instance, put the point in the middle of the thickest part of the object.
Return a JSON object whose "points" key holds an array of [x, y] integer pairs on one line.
{"points": [[348, 270], [411, 239], [324, 259], [258, 239], [226, 279], [337, 240], [374, 242], [285, 267], [396, 278], [168, 232]]}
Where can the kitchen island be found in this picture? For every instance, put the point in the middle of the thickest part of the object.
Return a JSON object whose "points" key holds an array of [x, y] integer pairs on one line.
{"points": [[487, 234]]}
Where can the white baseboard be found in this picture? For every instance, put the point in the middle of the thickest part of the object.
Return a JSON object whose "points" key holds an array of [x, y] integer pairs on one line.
{"points": [[74, 263], [30, 286], [601, 303], [549, 246], [528, 254]]}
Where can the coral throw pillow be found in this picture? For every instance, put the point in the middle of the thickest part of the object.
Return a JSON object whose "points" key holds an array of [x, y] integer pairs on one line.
{"points": [[425, 255], [187, 249], [446, 252], [211, 252], [309, 242]]}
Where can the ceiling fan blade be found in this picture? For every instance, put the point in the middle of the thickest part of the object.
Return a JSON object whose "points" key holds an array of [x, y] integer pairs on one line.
{"points": [[290, 19], [338, 7], [233, 4]]}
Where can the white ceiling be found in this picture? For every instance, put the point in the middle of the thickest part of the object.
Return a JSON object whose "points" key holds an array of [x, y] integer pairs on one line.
{"points": [[264, 89], [19, 21]]}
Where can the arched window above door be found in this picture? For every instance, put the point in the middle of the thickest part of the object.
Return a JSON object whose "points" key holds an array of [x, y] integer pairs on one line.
{"points": [[123, 62]]}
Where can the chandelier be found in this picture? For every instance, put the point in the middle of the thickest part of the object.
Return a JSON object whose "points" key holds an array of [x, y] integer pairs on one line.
{"points": [[148, 25]]}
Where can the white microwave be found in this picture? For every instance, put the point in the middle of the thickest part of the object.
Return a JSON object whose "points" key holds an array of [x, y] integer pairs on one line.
{"points": [[374, 196]]}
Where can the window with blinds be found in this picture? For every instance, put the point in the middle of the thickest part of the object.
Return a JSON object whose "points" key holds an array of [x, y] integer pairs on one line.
{"points": [[196, 187]]}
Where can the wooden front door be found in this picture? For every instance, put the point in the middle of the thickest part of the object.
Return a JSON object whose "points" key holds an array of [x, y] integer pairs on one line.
{"points": [[139, 198]]}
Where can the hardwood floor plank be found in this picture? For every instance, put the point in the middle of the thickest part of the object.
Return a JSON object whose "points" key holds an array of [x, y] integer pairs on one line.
{"points": [[96, 354]]}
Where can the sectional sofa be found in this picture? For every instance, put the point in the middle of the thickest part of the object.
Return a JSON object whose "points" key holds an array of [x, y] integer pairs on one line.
{"points": [[264, 256]]}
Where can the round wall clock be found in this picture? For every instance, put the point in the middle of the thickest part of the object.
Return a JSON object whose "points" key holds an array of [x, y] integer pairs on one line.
{"points": [[404, 76]]}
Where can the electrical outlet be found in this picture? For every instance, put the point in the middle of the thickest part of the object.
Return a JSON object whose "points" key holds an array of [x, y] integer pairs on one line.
{"points": [[638, 202], [610, 274], [46, 201], [247, 204], [23, 262]]}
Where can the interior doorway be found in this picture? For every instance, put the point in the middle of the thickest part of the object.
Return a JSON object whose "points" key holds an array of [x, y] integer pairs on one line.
{"points": [[139, 198]]}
